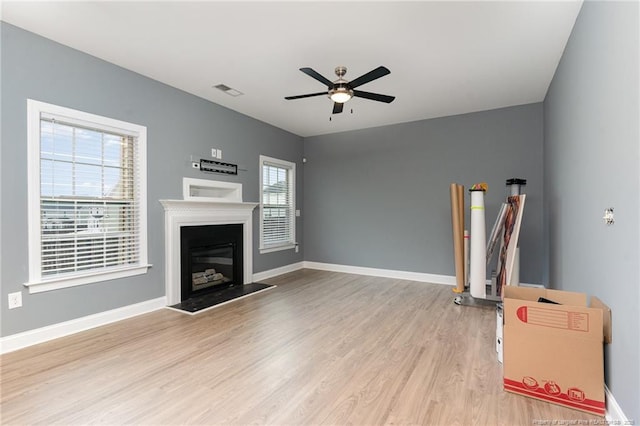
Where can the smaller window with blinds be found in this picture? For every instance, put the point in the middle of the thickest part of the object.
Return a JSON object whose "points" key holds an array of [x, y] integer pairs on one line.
{"points": [[87, 202], [277, 204]]}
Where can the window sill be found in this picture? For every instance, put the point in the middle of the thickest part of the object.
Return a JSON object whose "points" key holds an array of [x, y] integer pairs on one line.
{"points": [[57, 283], [271, 249]]}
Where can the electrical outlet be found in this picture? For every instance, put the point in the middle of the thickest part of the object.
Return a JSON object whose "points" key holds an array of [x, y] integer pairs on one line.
{"points": [[15, 300]]}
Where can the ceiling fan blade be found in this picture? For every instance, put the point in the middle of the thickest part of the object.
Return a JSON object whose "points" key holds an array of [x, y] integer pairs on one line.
{"points": [[374, 96], [305, 96], [313, 74], [370, 76], [337, 108]]}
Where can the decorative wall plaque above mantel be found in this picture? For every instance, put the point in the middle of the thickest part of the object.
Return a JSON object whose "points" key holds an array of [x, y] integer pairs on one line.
{"points": [[218, 167]]}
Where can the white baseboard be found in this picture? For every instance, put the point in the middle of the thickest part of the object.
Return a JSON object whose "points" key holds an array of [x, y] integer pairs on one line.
{"points": [[614, 415], [39, 335], [362, 270], [386, 273], [259, 276]]}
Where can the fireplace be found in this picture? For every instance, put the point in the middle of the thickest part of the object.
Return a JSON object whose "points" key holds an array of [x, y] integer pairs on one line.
{"points": [[206, 203], [211, 258]]}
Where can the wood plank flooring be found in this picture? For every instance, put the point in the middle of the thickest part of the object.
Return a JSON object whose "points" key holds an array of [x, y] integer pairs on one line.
{"points": [[321, 348]]}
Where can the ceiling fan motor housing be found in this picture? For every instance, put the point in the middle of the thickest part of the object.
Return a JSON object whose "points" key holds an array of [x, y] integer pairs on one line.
{"points": [[340, 92]]}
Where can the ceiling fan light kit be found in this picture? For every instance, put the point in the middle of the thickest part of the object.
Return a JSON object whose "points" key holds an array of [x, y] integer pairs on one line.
{"points": [[340, 95], [341, 90]]}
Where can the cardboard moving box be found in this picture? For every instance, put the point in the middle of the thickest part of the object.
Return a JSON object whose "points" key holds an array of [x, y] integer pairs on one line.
{"points": [[554, 352]]}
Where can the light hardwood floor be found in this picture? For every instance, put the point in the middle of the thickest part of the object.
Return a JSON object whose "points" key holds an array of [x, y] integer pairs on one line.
{"points": [[321, 348]]}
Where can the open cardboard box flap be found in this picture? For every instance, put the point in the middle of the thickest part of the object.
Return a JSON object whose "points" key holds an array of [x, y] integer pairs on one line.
{"points": [[533, 293]]}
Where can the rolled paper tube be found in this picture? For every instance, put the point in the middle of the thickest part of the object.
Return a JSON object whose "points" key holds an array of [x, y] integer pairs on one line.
{"points": [[457, 239], [477, 260]]}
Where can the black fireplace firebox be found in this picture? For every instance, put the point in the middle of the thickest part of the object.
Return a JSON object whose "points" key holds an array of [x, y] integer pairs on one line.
{"points": [[211, 258]]}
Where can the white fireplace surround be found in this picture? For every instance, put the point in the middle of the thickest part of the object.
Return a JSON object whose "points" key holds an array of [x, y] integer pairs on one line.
{"points": [[205, 202]]}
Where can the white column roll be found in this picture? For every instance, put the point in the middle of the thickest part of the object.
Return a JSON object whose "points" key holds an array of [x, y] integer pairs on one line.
{"points": [[478, 261]]}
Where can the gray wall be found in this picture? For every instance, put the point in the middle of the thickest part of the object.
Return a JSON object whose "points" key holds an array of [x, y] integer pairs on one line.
{"points": [[380, 197], [178, 124], [592, 161]]}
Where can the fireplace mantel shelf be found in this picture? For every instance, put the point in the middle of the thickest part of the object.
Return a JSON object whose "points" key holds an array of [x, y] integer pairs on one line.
{"points": [[191, 205]]}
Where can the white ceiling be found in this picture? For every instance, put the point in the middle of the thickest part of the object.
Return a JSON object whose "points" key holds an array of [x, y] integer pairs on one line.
{"points": [[445, 57]]}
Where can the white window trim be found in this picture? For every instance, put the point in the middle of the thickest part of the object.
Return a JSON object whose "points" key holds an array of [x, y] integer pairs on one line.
{"points": [[37, 283], [292, 166]]}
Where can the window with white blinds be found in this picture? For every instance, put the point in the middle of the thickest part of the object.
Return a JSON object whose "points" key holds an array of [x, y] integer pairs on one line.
{"points": [[87, 198], [277, 204]]}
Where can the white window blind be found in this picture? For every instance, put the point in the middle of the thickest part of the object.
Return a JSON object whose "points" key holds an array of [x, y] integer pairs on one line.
{"points": [[91, 205], [277, 204]]}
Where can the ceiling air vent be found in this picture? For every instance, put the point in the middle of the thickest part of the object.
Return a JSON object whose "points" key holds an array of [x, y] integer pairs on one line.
{"points": [[228, 90]]}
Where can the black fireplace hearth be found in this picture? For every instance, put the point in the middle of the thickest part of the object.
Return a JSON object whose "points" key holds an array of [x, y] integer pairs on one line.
{"points": [[219, 297]]}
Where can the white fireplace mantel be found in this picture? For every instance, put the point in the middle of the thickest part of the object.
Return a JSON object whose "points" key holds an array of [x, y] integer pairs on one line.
{"points": [[179, 213]]}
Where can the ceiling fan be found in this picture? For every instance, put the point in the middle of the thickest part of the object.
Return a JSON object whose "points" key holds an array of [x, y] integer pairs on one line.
{"points": [[341, 90]]}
